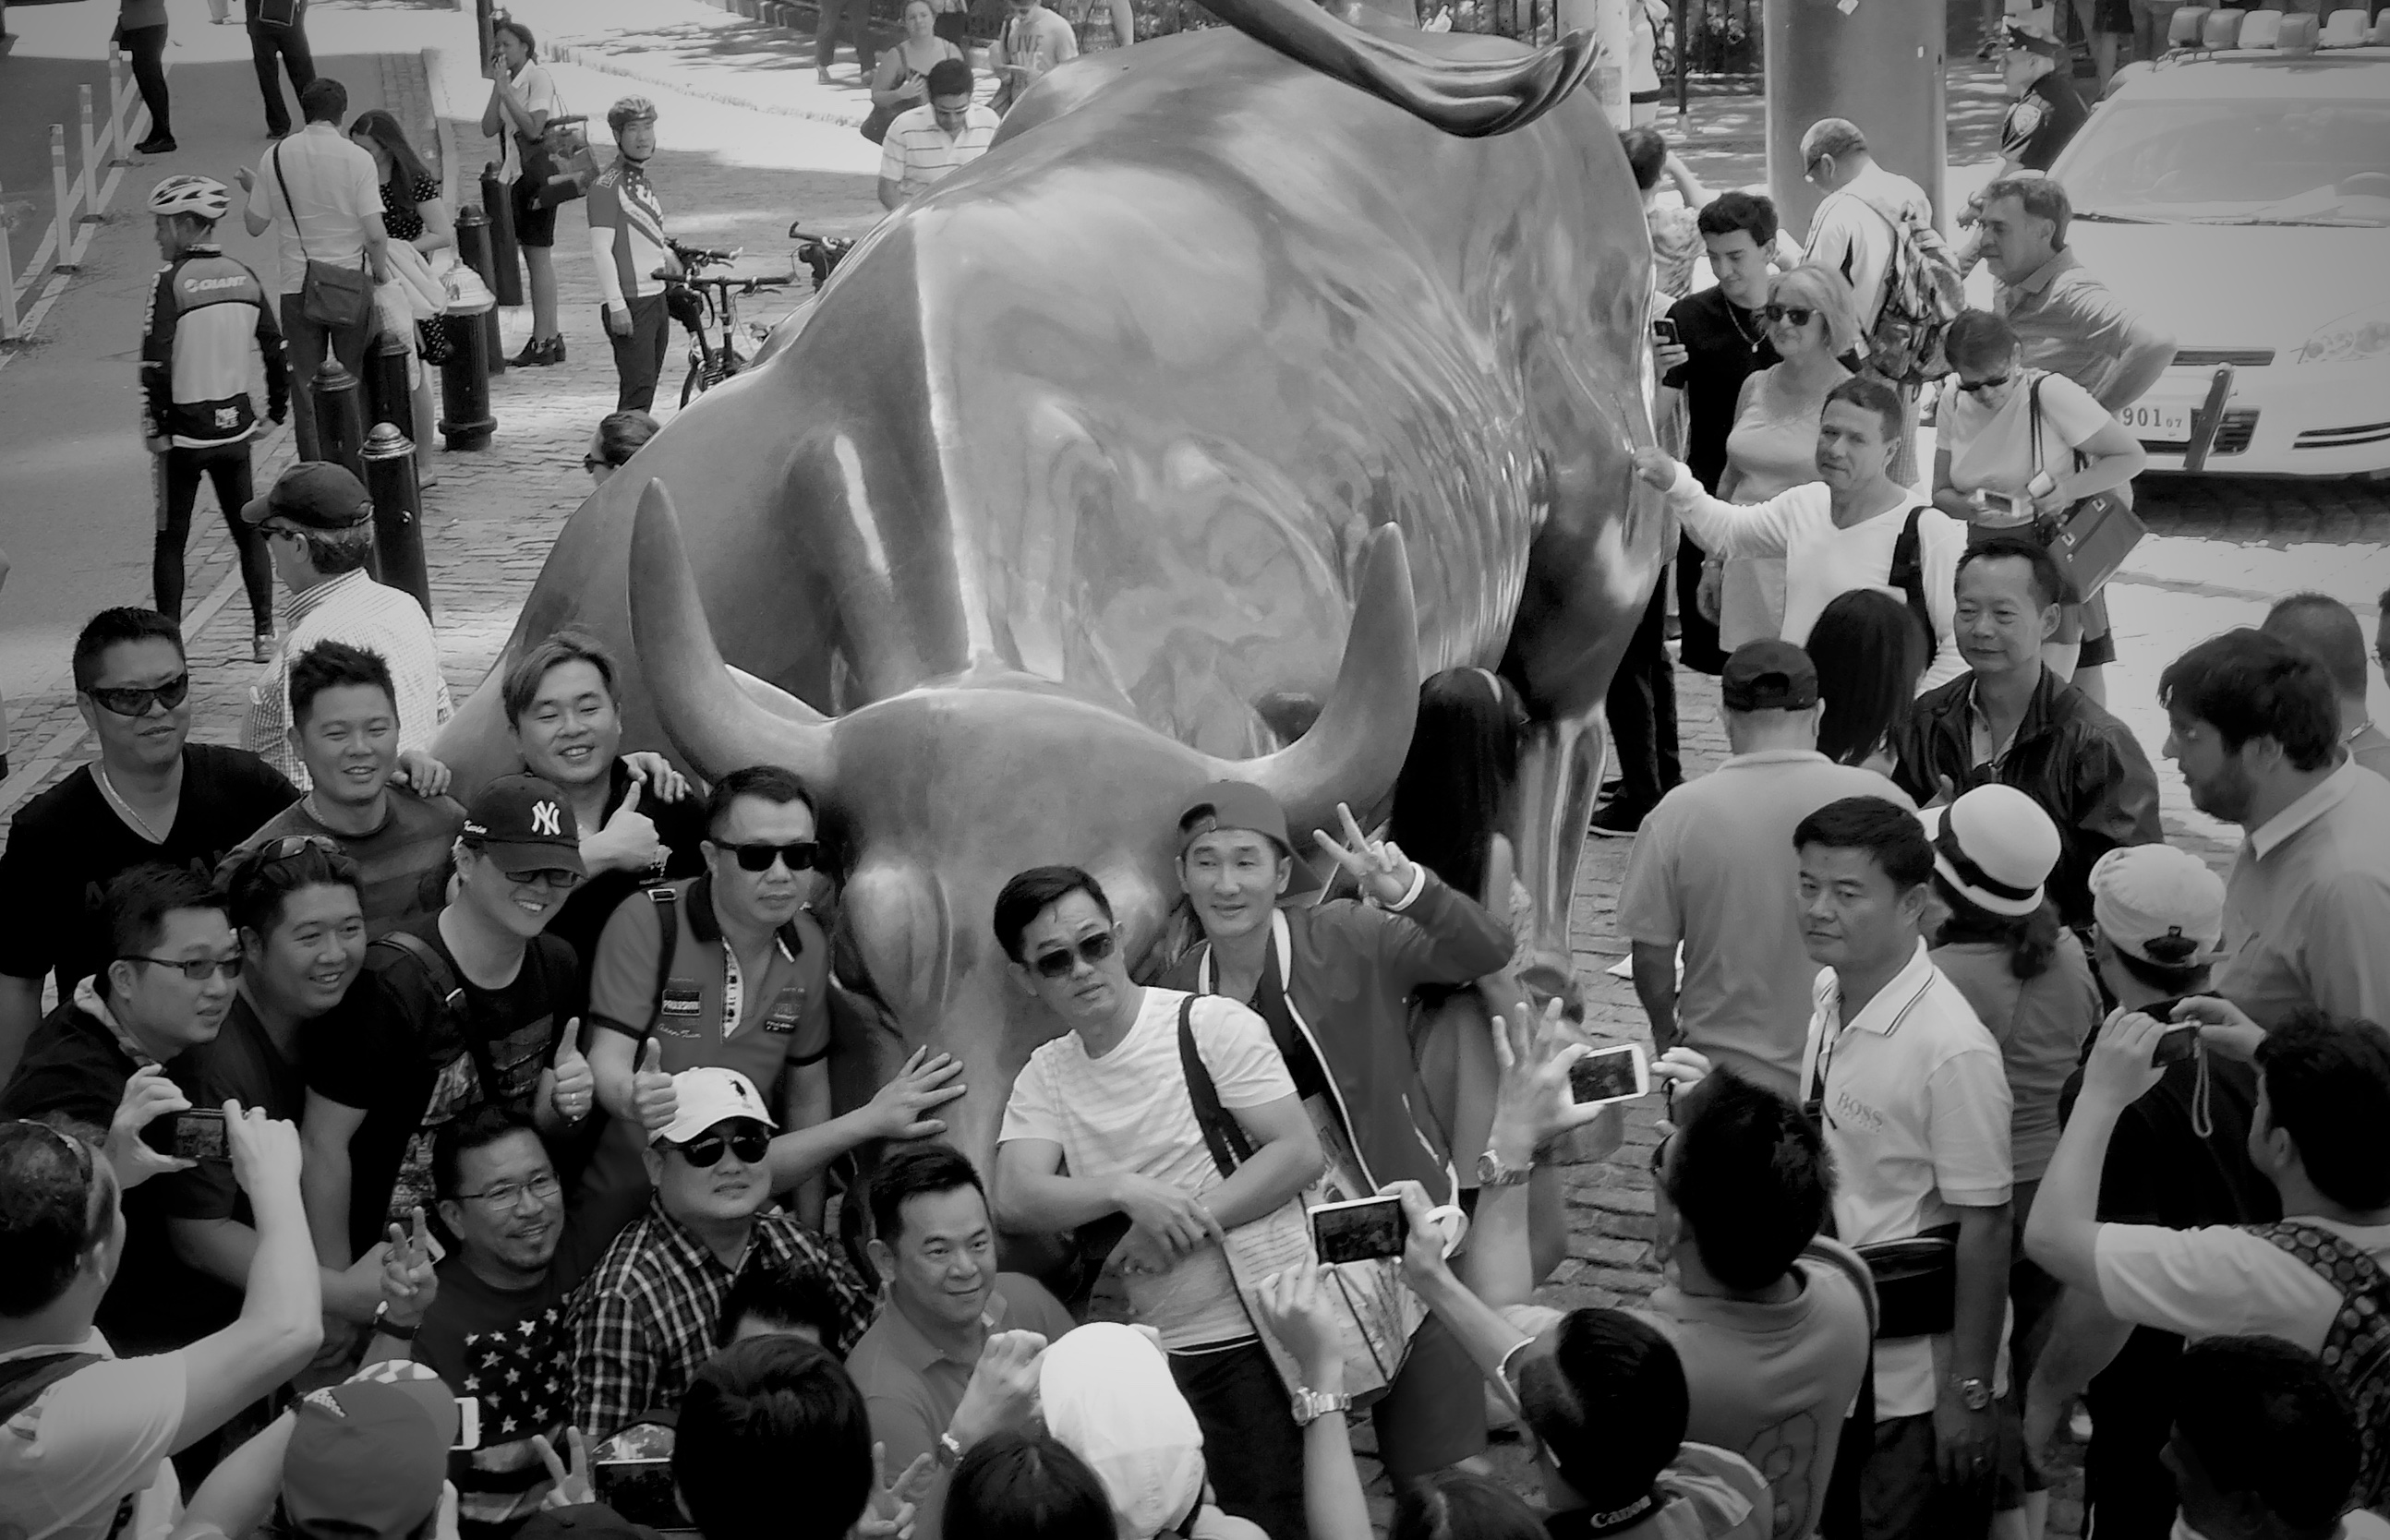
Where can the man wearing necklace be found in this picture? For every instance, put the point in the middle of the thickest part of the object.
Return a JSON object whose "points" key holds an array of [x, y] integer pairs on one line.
{"points": [[1333, 982], [471, 1007], [149, 796], [2328, 628], [344, 724]]}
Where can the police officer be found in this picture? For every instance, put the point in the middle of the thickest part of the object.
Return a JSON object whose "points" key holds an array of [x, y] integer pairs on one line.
{"points": [[730, 969]]}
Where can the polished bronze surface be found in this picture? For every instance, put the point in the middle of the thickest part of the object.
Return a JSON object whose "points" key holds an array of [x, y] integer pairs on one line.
{"points": [[1084, 464]]}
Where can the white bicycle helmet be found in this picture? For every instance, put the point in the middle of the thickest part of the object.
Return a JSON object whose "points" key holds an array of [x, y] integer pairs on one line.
{"points": [[630, 110], [202, 196]]}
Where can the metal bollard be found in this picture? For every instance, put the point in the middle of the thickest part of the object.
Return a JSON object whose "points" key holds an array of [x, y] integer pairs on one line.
{"points": [[474, 250], [387, 396], [398, 512], [465, 423], [340, 415], [497, 203]]}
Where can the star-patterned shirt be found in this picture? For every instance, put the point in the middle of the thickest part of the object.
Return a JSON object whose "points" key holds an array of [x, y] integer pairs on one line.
{"points": [[650, 1313]]}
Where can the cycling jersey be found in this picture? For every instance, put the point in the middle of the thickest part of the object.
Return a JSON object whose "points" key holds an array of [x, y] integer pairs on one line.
{"points": [[626, 234], [205, 312]]}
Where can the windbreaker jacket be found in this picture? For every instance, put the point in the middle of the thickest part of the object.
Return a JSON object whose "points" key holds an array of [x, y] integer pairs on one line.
{"points": [[2080, 763], [1353, 972], [206, 311]]}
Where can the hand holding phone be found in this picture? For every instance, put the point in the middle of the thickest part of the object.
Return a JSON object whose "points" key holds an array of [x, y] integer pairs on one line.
{"points": [[1609, 1074], [1663, 331]]}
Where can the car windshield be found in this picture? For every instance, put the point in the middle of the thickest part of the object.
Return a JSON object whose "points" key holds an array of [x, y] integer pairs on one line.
{"points": [[2319, 161]]}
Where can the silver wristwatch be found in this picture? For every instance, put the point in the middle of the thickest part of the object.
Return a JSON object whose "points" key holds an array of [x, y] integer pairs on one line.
{"points": [[1492, 1172], [1974, 1394], [1310, 1406]]}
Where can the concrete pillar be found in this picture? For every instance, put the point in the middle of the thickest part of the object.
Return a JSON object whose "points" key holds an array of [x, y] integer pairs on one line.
{"points": [[1877, 62]]}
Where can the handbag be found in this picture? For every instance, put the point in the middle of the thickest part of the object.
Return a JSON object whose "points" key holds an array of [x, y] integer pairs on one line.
{"points": [[1916, 1283], [874, 127], [2090, 538], [334, 297], [558, 163]]}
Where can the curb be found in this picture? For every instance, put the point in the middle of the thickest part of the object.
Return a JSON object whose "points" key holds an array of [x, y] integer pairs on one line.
{"points": [[591, 55]]}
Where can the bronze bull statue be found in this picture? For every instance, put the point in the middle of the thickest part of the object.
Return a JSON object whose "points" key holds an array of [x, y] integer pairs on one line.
{"points": [[1175, 438]]}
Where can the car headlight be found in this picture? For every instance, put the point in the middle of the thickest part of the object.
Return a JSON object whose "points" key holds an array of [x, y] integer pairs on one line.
{"points": [[2362, 334]]}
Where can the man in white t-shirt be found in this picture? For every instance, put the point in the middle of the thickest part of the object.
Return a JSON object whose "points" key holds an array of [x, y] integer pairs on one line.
{"points": [[1846, 530], [2323, 1098], [1109, 1096], [86, 1436], [1914, 1102]]}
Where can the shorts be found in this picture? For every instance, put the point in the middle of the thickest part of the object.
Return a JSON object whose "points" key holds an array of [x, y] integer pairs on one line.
{"points": [[2112, 15], [534, 222]]}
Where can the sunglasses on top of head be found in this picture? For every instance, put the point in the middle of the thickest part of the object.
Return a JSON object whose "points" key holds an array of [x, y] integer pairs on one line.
{"points": [[750, 1143], [799, 855], [1798, 315], [1057, 964], [136, 699]]}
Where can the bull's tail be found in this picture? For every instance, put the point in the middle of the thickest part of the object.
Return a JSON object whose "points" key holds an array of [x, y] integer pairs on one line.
{"points": [[1470, 97]]}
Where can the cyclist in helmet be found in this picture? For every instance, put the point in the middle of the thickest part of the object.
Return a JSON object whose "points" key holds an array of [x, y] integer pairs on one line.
{"points": [[207, 312], [627, 241]]}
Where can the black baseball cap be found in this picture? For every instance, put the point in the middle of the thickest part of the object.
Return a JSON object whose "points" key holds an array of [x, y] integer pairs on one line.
{"points": [[1769, 676], [525, 819], [315, 495]]}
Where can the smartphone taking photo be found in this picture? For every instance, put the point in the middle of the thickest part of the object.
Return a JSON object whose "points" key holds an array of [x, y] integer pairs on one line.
{"points": [[199, 1135], [1361, 1230], [1609, 1074], [640, 1490]]}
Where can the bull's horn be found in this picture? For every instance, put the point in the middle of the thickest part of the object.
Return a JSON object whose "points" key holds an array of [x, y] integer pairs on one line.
{"points": [[1353, 752], [716, 725]]}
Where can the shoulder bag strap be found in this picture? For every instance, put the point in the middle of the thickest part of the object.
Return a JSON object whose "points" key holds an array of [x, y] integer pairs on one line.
{"points": [[2033, 419], [22, 1383], [289, 210], [1908, 575], [1221, 1135], [667, 903], [450, 990]]}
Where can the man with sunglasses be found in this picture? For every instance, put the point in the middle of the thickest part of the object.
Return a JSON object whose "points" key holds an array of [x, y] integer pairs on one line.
{"points": [[653, 1311], [731, 970], [149, 796], [166, 992], [473, 1005]]}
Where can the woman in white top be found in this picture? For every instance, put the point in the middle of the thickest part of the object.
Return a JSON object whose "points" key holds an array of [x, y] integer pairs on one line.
{"points": [[901, 78], [2005, 430], [1773, 446], [1841, 532], [521, 100]]}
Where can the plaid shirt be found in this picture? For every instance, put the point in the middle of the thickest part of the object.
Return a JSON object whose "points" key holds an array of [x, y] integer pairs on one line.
{"points": [[354, 609], [646, 1318]]}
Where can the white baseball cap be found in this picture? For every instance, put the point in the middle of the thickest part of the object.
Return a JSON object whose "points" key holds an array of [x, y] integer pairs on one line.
{"points": [[2158, 904], [1995, 846], [706, 1095], [1107, 1392]]}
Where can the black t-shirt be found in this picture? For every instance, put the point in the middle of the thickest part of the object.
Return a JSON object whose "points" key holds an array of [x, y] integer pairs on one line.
{"points": [[2040, 122], [1724, 344], [68, 843], [681, 826], [400, 1054], [73, 1066]]}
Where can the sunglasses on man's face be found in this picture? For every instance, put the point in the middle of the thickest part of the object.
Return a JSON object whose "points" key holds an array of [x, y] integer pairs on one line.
{"points": [[136, 699], [1057, 964], [1798, 315], [549, 876], [799, 855], [1992, 384], [750, 1144]]}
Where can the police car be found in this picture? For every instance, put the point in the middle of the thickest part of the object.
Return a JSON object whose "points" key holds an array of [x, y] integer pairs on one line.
{"points": [[2237, 192]]}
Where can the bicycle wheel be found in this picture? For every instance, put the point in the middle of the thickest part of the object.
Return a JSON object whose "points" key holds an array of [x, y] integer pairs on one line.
{"points": [[695, 384]]}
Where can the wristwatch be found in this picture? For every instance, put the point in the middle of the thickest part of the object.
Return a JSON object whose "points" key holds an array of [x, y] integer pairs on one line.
{"points": [[1492, 1172], [1310, 1406], [1974, 1394], [950, 1450], [384, 1326]]}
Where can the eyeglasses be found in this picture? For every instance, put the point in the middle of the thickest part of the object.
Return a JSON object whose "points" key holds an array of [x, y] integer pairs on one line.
{"points": [[136, 699], [83, 1171], [506, 1195], [1992, 384], [1057, 964], [1798, 315], [750, 1144], [593, 464], [799, 854], [552, 877], [197, 970]]}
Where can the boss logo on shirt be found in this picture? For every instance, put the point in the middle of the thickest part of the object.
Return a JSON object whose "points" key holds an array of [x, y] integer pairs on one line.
{"points": [[785, 1010], [1855, 1113], [682, 999]]}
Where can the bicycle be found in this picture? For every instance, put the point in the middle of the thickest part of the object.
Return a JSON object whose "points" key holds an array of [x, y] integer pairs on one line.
{"points": [[695, 300]]}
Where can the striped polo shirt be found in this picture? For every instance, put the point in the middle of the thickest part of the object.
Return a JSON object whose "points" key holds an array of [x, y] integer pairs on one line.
{"points": [[917, 153], [401, 867]]}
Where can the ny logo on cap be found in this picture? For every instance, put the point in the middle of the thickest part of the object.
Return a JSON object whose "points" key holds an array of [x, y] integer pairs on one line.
{"points": [[546, 820]]}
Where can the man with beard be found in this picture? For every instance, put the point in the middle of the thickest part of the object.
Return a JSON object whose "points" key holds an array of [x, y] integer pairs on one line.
{"points": [[2254, 727], [115, 1043], [492, 1321], [472, 1006], [296, 908]]}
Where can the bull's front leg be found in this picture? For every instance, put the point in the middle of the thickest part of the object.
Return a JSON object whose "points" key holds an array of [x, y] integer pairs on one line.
{"points": [[1559, 769]]}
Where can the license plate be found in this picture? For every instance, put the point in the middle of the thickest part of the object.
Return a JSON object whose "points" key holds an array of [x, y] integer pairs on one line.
{"points": [[2157, 420]]}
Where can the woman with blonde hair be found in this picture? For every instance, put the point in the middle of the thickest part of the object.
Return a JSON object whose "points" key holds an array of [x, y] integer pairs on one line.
{"points": [[1813, 323]]}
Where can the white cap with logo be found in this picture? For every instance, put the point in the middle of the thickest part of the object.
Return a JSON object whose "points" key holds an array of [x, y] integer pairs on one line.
{"points": [[2158, 904], [707, 1095]]}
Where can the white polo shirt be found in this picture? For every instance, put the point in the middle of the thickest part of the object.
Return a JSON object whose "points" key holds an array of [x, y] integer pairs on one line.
{"points": [[1916, 1109]]}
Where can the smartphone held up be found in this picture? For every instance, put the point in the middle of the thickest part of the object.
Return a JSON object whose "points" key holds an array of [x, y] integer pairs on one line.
{"points": [[1609, 1074]]}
